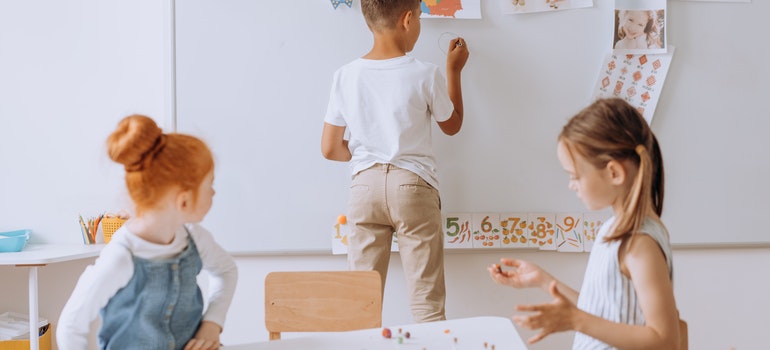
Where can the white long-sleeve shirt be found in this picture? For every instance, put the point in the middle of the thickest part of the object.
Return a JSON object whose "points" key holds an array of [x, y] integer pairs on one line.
{"points": [[114, 269]]}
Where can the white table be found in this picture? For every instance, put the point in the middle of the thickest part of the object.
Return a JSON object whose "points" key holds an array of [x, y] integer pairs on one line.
{"points": [[36, 255], [482, 333]]}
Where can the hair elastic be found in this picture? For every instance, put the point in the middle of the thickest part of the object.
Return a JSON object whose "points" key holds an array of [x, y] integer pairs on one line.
{"points": [[640, 149]]}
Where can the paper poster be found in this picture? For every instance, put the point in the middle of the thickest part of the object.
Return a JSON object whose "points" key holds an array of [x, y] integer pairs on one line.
{"points": [[640, 27], [514, 229], [527, 6], [569, 232], [457, 230], [542, 231], [394, 243], [340, 237], [638, 79], [456, 9], [592, 222], [486, 230], [341, 232]]}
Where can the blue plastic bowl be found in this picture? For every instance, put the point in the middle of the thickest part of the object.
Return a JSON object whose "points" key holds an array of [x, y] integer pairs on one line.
{"points": [[13, 241]]}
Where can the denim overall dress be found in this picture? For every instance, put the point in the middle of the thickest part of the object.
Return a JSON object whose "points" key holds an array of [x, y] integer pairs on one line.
{"points": [[160, 308]]}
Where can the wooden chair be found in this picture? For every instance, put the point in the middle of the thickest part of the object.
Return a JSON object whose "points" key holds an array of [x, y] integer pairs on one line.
{"points": [[322, 301]]}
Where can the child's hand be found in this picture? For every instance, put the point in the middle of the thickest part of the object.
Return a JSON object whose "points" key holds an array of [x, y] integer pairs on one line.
{"points": [[557, 316], [457, 55], [206, 338], [524, 274]]}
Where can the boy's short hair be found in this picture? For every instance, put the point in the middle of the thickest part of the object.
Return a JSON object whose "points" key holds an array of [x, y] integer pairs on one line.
{"points": [[383, 14]]}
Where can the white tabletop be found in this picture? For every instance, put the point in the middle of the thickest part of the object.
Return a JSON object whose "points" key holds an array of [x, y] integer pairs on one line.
{"points": [[482, 333], [43, 254]]}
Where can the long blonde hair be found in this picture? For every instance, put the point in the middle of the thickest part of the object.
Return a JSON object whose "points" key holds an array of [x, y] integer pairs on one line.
{"points": [[611, 129]]}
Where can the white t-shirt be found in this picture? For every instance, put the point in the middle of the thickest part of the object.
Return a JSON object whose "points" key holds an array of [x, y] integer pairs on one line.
{"points": [[388, 107], [115, 267]]}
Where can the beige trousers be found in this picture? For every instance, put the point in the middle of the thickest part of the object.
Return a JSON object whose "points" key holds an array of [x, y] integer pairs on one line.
{"points": [[386, 199]]}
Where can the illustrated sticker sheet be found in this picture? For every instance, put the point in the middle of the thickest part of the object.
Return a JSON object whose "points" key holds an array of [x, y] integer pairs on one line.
{"points": [[638, 79], [527, 6], [515, 232], [542, 230], [486, 230], [569, 232], [457, 231], [455, 9]]}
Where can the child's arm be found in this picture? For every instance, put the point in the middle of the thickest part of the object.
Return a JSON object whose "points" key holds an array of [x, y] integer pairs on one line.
{"points": [[95, 287], [527, 275], [223, 274], [206, 338], [648, 270], [333, 144], [456, 59]]}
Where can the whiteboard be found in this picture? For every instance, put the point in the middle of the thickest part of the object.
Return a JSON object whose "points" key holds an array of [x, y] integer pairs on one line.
{"points": [[253, 79]]}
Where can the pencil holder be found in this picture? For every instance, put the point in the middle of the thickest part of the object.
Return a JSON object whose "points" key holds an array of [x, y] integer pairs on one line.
{"points": [[110, 224]]}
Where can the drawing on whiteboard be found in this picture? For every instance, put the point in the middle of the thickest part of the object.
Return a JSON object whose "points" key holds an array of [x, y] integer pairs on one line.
{"points": [[459, 9]]}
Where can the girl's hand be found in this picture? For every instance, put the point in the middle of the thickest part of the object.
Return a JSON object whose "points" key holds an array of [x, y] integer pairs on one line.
{"points": [[523, 275], [206, 338], [557, 316], [457, 55]]}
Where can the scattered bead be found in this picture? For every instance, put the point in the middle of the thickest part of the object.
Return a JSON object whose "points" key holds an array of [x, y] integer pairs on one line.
{"points": [[386, 333], [446, 331], [407, 335], [400, 339], [399, 331]]}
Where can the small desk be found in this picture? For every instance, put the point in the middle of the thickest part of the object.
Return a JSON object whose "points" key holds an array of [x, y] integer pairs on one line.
{"points": [[471, 333], [36, 255]]}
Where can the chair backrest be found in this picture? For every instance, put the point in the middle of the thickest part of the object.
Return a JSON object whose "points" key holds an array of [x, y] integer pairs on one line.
{"points": [[322, 301]]}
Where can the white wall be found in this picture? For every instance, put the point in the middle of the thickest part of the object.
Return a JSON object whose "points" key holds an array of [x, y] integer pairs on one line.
{"points": [[82, 64], [722, 293]]}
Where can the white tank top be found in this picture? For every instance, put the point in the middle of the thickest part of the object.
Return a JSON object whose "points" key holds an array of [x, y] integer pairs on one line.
{"points": [[606, 292]]}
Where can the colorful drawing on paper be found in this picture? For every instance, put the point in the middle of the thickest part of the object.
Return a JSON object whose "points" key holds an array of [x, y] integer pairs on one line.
{"points": [[457, 231], [638, 79], [340, 233], [527, 6], [459, 9], [569, 232], [541, 231], [592, 222], [340, 236], [486, 230], [514, 227]]}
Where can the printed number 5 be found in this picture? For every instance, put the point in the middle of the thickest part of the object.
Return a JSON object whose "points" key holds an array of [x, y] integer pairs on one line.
{"points": [[453, 228]]}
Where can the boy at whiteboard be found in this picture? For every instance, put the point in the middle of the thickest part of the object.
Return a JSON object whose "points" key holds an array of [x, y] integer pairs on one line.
{"points": [[386, 101]]}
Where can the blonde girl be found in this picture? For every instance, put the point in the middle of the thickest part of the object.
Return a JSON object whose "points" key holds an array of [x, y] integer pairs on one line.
{"points": [[627, 298], [143, 285]]}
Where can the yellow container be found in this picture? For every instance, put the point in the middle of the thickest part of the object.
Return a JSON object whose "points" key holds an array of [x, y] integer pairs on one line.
{"points": [[44, 341], [109, 226]]}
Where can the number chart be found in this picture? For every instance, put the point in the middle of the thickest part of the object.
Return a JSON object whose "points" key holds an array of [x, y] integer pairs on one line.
{"points": [[561, 232]]}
